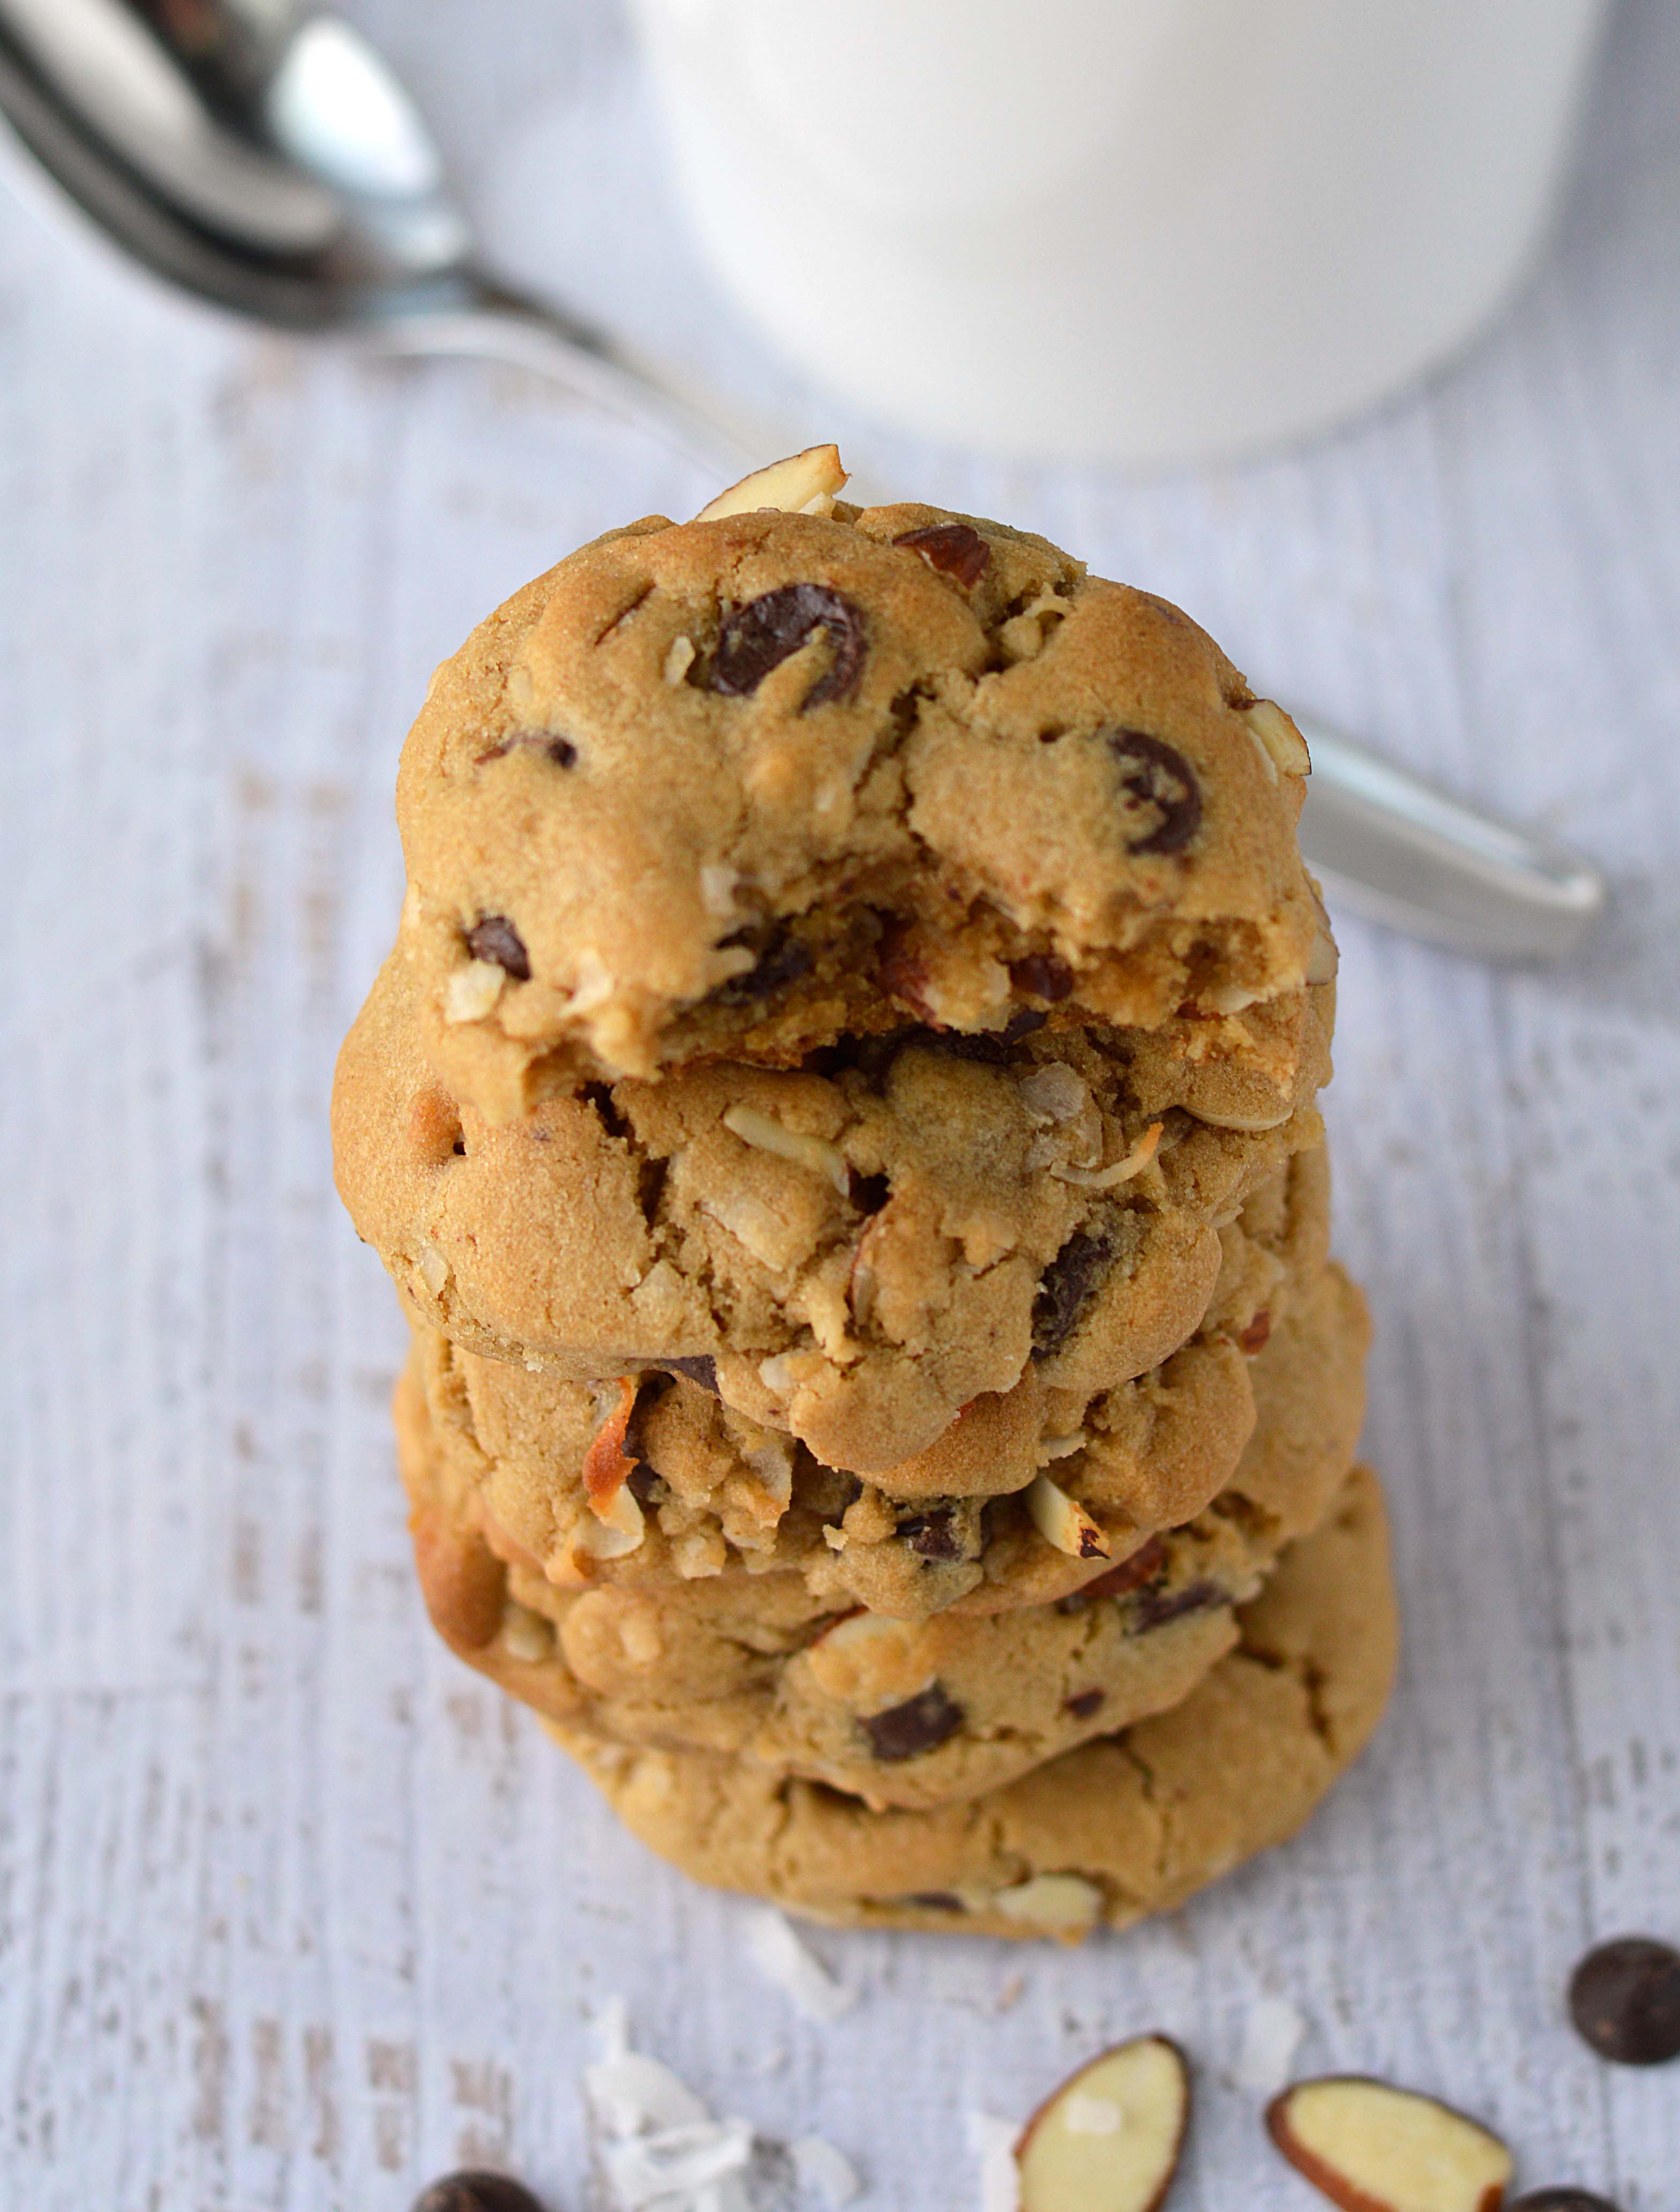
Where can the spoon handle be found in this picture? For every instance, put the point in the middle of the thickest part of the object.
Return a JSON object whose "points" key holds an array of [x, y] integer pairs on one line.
{"points": [[691, 422]]}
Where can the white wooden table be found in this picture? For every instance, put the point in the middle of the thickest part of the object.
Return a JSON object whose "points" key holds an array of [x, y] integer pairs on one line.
{"points": [[295, 1912]]}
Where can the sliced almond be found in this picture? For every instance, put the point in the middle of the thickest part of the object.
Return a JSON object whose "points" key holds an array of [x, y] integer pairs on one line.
{"points": [[1278, 737], [608, 1467], [1063, 1522], [791, 485], [765, 1134], [1371, 2147], [1110, 2138]]}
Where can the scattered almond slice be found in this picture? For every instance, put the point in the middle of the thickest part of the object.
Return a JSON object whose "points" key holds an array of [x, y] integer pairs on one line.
{"points": [[1061, 1521], [1371, 2147], [1110, 2138], [767, 1135], [793, 485]]}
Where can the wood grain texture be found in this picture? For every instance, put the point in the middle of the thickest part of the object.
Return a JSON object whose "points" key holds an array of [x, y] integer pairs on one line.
{"points": [[293, 1912]]}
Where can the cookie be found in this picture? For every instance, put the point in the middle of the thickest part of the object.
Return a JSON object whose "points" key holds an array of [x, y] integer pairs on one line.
{"points": [[897, 1713], [1123, 1827], [741, 787], [857, 1253], [705, 1494]]}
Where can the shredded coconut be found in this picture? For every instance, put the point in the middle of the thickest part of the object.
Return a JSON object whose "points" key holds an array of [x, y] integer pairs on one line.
{"points": [[1272, 2035], [993, 2142], [679, 659], [660, 2149], [819, 2166], [781, 1958], [472, 991]]}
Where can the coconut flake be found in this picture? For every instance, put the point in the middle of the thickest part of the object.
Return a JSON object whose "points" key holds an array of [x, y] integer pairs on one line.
{"points": [[1053, 1092], [993, 2142], [472, 991], [658, 2145], [819, 2166], [1271, 2035], [780, 1957]]}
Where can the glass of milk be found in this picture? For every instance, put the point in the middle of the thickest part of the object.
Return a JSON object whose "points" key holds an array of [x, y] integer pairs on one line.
{"points": [[1149, 230]]}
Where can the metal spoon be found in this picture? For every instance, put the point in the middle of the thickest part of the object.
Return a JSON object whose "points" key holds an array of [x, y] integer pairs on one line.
{"points": [[267, 160]]}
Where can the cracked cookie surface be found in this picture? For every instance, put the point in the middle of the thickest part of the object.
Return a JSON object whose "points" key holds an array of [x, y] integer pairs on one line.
{"points": [[739, 787], [1123, 1827], [859, 1253]]}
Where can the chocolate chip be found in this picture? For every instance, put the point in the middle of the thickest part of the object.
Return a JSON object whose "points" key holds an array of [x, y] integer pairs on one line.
{"points": [[1085, 1703], [1624, 1998], [696, 1367], [1042, 976], [936, 1901], [496, 938], [1143, 1563], [952, 548], [781, 960], [769, 629], [1155, 775], [921, 1723], [646, 1484], [562, 752], [1155, 1607], [1559, 2200], [477, 2192], [1258, 1333], [1065, 1287], [933, 1536]]}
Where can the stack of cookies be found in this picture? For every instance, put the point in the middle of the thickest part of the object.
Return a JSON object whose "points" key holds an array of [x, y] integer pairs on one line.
{"points": [[841, 1116]]}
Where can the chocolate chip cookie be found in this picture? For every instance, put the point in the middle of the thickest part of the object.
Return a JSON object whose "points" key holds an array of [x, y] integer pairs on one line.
{"points": [[855, 1253], [1123, 1826], [742, 788]]}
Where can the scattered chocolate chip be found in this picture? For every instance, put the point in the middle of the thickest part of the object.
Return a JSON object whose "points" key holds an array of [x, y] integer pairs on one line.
{"points": [[1624, 1998], [921, 1723], [1155, 775], [1155, 1607], [933, 1536], [769, 629], [695, 1367], [952, 548], [1042, 976], [781, 961], [1559, 2200], [477, 2192], [1258, 1333], [496, 938], [1064, 1289], [1087, 1702]]}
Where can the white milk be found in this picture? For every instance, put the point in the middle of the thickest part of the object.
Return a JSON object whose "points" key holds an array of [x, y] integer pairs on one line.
{"points": [[1150, 229]]}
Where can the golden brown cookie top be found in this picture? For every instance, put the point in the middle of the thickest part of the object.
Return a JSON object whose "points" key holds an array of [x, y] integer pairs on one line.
{"points": [[741, 785]]}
